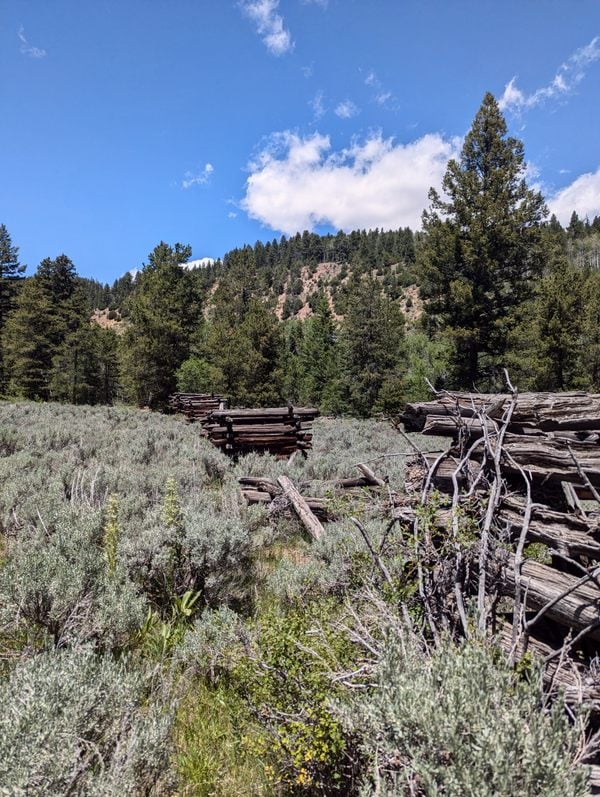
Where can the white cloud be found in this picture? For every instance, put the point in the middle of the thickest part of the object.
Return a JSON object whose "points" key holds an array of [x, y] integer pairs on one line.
{"points": [[380, 94], [28, 49], [296, 183], [199, 263], [317, 105], [232, 215], [383, 97], [582, 195], [269, 24], [322, 3], [307, 71], [567, 78], [346, 110], [202, 178]]}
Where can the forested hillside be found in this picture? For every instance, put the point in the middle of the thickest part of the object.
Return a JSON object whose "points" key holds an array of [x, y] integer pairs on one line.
{"points": [[353, 323]]}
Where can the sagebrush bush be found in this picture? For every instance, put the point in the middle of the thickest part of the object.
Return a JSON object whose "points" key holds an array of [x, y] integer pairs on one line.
{"points": [[458, 721], [87, 506], [78, 723], [57, 586]]}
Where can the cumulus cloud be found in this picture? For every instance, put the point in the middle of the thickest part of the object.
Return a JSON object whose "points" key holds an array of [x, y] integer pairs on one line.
{"points": [[582, 195], [346, 109], [567, 78], [202, 178], [269, 24], [296, 183], [28, 49]]}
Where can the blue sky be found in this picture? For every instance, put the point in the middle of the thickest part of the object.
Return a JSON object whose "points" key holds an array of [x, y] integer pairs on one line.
{"points": [[222, 122]]}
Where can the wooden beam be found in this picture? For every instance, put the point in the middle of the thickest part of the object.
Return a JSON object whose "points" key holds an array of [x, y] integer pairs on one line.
{"points": [[310, 522]]}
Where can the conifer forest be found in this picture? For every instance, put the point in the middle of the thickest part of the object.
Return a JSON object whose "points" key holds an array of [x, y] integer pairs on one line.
{"points": [[386, 584]]}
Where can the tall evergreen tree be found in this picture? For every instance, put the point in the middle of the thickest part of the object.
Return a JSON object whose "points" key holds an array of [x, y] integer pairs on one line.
{"points": [[49, 307], [372, 336], [317, 354], [482, 246], [85, 367], [11, 273], [165, 310], [589, 357]]}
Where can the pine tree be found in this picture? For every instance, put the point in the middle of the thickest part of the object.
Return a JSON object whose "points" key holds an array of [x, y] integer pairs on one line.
{"points": [[27, 346], [372, 336], [85, 367], [165, 310], [317, 353], [49, 307], [11, 272], [589, 358], [482, 247]]}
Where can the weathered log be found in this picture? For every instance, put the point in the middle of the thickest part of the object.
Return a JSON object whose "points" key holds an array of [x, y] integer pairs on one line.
{"points": [[570, 535], [594, 780], [267, 414], [319, 506], [451, 426], [545, 411], [311, 523], [543, 458], [257, 496], [579, 687], [552, 458], [346, 484], [259, 483], [574, 605], [445, 470], [370, 476]]}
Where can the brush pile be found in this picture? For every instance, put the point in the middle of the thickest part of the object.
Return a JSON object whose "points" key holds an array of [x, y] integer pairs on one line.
{"points": [[196, 406], [279, 430], [510, 507]]}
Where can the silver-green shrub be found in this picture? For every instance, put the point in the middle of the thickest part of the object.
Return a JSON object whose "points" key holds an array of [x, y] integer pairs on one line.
{"points": [[458, 721], [63, 469], [78, 723], [56, 583]]}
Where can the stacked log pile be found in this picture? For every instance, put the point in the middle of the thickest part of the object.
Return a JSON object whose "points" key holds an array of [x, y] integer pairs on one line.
{"points": [[520, 466], [279, 430], [196, 406]]}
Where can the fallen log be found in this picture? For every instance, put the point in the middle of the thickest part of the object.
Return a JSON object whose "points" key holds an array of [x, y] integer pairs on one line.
{"points": [[257, 496], [569, 603], [570, 535], [370, 476], [310, 522], [579, 687], [545, 411], [594, 780], [259, 483]]}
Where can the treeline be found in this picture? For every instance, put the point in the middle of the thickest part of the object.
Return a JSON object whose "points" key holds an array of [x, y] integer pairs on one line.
{"points": [[210, 329], [502, 287]]}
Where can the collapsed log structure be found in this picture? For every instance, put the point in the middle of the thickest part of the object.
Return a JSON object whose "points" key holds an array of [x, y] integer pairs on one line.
{"points": [[279, 430], [196, 406], [519, 467], [260, 490]]}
